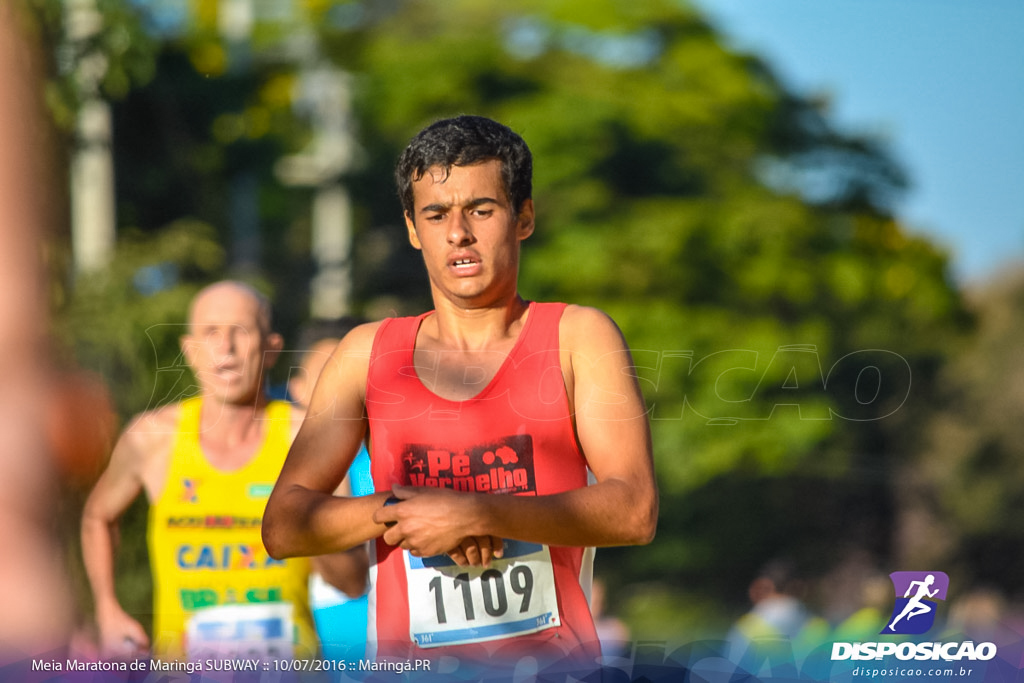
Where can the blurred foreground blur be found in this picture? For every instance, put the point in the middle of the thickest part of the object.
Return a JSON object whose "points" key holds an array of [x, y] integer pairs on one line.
{"points": [[33, 588]]}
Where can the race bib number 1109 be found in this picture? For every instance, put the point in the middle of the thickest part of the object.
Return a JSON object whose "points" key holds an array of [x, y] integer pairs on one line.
{"points": [[452, 605]]}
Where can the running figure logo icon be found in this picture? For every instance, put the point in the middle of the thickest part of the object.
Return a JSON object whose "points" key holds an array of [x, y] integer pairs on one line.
{"points": [[914, 613]]}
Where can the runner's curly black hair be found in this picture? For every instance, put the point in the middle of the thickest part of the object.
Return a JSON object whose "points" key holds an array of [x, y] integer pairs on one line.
{"points": [[464, 141]]}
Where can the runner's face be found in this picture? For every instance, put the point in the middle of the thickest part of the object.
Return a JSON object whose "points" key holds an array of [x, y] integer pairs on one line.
{"points": [[469, 235], [226, 346]]}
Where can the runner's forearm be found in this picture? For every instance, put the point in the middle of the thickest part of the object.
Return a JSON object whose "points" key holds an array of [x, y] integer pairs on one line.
{"points": [[299, 522], [611, 513], [99, 545]]}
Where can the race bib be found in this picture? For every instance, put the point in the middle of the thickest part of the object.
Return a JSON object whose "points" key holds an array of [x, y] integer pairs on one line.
{"points": [[254, 631], [453, 605]]}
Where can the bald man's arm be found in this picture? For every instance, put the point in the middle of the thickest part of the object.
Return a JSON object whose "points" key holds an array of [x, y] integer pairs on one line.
{"points": [[143, 448]]}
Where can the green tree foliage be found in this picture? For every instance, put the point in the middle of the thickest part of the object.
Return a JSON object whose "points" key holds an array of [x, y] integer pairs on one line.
{"points": [[125, 322], [200, 143], [111, 56], [199, 122], [966, 483], [785, 326], [787, 329]]}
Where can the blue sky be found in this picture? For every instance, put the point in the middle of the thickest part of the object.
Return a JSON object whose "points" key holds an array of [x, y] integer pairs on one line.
{"points": [[941, 80]]}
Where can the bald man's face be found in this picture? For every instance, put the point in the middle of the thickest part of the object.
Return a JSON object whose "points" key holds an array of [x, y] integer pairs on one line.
{"points": [[227, 347]]}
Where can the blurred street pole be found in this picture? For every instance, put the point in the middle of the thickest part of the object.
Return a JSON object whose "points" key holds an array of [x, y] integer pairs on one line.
{"points": [[324, 94], [331, 288], [235, 22], [93, 231], [323, 98]]}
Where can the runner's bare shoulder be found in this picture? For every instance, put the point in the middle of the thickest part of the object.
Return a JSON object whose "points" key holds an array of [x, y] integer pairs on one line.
{"points": [[353, 351], [585, 327], [149, 437]]}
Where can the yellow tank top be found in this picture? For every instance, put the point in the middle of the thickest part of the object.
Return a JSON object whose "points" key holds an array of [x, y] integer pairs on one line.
{"points": [[204, 541]]}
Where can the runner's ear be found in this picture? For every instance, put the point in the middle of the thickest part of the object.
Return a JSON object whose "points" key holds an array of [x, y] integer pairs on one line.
{"points": [[410, 226], [525, 220], [273, 343]]}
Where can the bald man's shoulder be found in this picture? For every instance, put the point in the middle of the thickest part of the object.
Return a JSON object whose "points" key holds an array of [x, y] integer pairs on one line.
{"points": [[155, 426], [144, 447]]}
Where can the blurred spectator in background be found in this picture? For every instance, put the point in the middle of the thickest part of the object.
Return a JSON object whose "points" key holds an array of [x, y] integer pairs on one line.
{"points": [[867, 622], [980, 615], [207, 465], [778, 614], [34, 592], [611, 631], [339, 607]]}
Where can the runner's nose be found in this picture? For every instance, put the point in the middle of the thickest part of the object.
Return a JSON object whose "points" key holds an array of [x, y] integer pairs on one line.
{"points": [[458, 230]]}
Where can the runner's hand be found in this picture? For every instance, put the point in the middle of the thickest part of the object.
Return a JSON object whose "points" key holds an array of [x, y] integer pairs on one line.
{"points": [[477, 551], [430, 521], [120, 635]]}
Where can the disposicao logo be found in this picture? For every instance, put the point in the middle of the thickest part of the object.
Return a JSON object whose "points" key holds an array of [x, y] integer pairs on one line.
{"points": [[917, 596], [914, 612]]}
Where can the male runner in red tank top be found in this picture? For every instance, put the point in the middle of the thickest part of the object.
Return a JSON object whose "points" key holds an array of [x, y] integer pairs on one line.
{"points": [[484, 417]]}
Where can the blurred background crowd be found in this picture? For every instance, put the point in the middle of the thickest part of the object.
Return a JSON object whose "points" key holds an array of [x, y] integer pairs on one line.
{"points": [[821, 388]]}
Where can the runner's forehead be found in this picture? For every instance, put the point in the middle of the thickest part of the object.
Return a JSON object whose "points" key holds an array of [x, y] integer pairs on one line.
{"points": [[459, 184], [225, 308]]}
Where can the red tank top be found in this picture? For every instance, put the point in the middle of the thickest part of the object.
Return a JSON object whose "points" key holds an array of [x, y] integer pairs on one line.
{"points": [[515, 437]]}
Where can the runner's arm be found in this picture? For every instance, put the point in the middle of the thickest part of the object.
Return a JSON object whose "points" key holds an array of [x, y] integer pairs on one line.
{"points": [[346, 570], [303, 516], [118, 486]]}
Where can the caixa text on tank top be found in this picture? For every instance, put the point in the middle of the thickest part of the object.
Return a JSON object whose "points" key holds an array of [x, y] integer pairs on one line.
{"points": [[501, 466]]}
